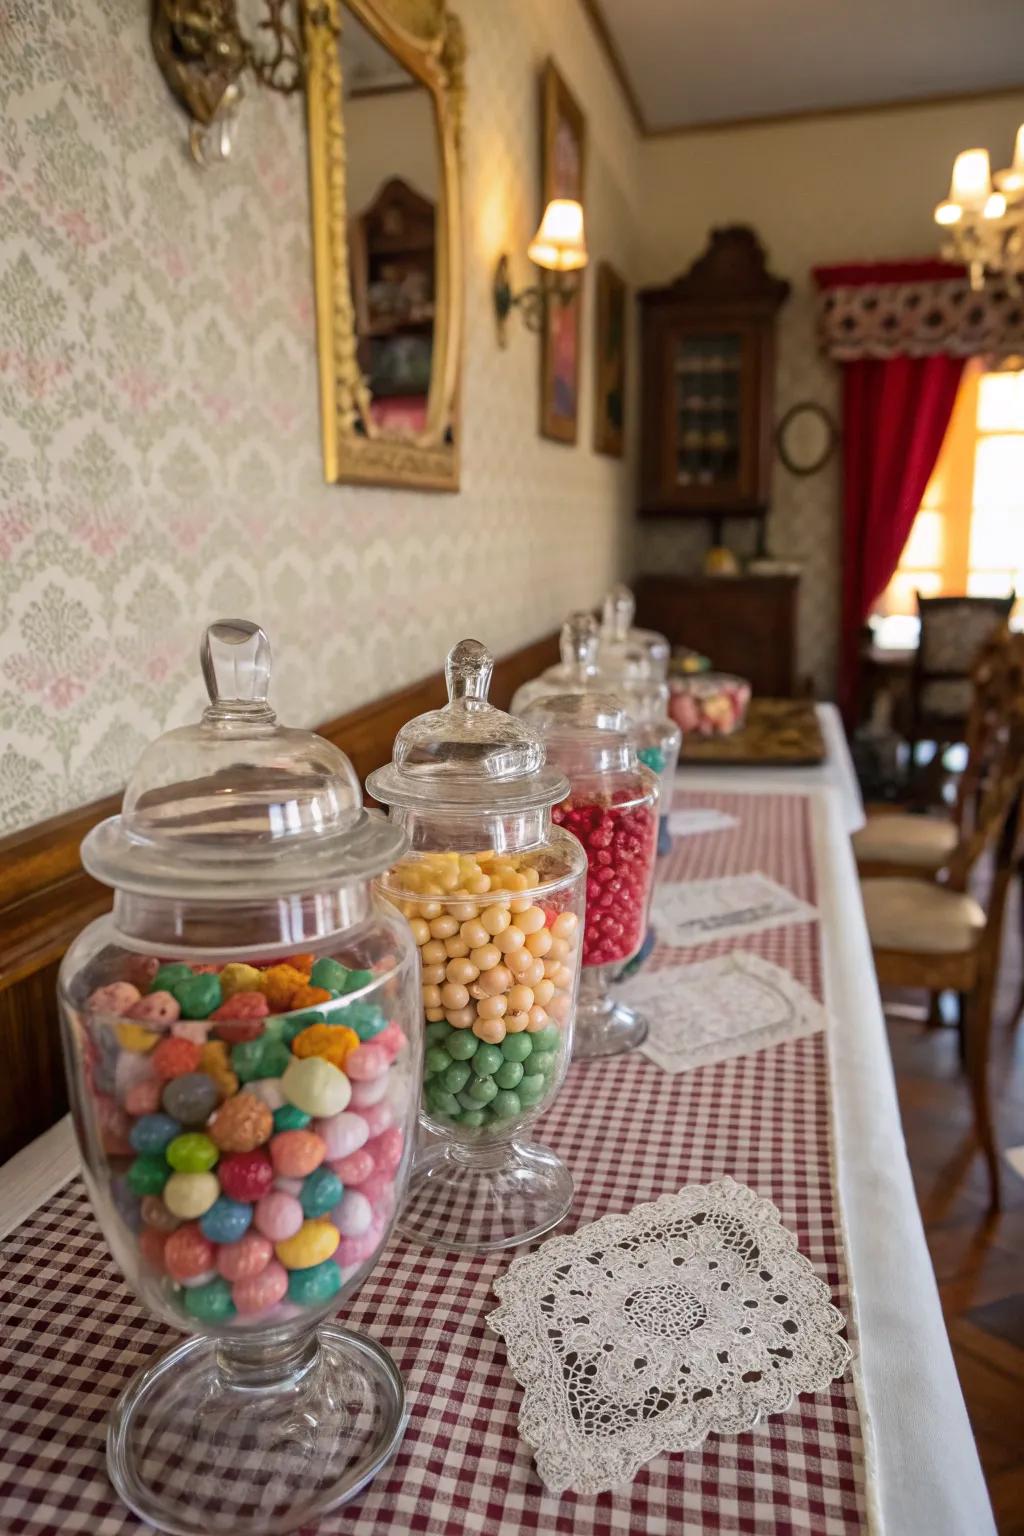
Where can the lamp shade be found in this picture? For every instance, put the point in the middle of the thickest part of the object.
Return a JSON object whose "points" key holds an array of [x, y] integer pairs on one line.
{"points": [[560, 244]]}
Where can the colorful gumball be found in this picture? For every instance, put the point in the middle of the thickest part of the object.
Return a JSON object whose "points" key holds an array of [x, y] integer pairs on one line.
{"points": [[246, 1257], [295, 1154], [188, 1253], [278, 1215], [254, 1294], [246, 1176]]}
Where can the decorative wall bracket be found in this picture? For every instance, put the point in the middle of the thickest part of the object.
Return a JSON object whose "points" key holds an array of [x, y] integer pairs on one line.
{"points": [[532, 302], [204, 56]]}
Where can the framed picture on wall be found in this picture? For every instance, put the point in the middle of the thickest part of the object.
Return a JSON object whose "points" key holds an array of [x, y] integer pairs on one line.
{"points": [[610, 362], [563, 143]]}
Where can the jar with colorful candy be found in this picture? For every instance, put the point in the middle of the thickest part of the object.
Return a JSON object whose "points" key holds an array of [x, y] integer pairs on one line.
{"points": [[493, 894], [243, 1052], [612, 809]]}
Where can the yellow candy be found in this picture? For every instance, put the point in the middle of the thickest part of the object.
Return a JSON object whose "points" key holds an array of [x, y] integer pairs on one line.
{"points": [[314, 1242], [331, 1041], [216, 1063], [134, 1037], [239, 978], [189, 1195]]}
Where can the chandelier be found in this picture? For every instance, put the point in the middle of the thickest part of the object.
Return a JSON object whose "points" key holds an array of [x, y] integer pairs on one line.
{"points": [[984, 215]]}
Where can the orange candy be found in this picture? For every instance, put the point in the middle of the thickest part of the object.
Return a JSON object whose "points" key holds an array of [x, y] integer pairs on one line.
{"points": [[331, 1041], [174, 1057], [279, 985], [310, 997], [303, 963], [241, 1125]]}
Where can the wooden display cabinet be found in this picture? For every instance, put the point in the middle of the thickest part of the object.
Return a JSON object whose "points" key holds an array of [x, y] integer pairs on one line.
{"points": [[707, 381]]}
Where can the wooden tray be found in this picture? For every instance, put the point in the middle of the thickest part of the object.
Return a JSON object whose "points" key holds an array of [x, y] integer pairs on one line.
{"points": [[779, 733]]}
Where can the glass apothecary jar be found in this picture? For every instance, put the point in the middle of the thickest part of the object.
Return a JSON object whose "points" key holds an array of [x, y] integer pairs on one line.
{"points": [[612, 809], [618, 629], [243, 1053], [493, 894]]}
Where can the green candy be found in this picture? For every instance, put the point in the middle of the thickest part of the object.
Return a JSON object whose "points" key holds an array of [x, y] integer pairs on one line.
{"points": [[365, 1018], [264, 1057], [482, 1089], [441, 1101], [330, 974], [544, 1061], [516, 1047], [168, 976], [192, 1153], [210, 1303], [466, 1102], [462, 1045], [510, 1075], [286, 1026], [310, 1287], [148, 1173], [488, 1059], [473, 1117], [653, 757], [355, 981], [435, 1061], [457, 1076], [290, 1118], [437, 1033], [504, 1105], [532, 1089], [547, 1039], [321, 1191], [198, 996]]}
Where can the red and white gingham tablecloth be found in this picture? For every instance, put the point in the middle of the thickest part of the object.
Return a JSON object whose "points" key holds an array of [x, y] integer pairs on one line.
{"points": [[73, 1336]]}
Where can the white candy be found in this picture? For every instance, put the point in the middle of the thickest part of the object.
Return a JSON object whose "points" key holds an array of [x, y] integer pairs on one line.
{"points": [[354, 1214], [344, 1133]]}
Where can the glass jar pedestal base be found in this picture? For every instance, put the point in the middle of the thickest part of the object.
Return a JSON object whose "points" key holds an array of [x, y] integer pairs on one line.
{"points": [[604, 1026], [478, 1198], [255, 1438]]}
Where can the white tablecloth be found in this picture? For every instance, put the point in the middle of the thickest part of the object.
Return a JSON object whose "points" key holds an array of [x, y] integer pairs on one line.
{"points": [[924, 1475], [836, 771]]}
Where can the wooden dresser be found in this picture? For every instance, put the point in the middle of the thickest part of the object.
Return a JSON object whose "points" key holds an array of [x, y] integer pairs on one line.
{"points": [[746, 624]]}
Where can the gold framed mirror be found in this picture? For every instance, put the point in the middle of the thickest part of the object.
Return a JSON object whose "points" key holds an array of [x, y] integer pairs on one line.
{"points": [[385, 98]]}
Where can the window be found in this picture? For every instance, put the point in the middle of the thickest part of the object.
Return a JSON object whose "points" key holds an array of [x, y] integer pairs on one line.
{"points": [[969, 534]]}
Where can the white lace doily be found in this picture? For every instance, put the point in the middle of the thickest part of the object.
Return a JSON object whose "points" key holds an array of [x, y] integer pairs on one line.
{"points": [[729, 1006], [696, 911], [645, 1333]]}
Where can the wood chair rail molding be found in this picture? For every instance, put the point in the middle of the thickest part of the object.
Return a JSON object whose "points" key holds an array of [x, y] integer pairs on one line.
{"points": [[46, 898]]}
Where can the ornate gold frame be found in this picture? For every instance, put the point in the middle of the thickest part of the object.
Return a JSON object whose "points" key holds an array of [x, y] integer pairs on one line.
{"points": [[427, 38]]}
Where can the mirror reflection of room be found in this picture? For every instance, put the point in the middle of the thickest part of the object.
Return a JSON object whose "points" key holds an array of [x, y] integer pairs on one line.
{"points": [[393, 186]]}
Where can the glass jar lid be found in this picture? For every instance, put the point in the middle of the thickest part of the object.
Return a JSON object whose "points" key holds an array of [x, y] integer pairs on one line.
{"points": [[468, 755], [617, 629], [238, 804], [577, 646], [585, 731]]}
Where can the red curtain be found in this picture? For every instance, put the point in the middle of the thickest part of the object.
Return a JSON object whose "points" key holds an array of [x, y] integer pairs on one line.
{"points": [[895, 414]]}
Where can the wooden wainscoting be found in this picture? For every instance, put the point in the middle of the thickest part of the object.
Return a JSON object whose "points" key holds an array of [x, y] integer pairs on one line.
{"points": [[46, 898]]}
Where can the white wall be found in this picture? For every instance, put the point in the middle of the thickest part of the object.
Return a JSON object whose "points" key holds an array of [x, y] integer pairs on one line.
{"points": [[817, 190]]}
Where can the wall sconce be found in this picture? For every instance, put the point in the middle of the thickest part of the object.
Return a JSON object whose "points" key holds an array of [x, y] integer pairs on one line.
{"points": [[559, 248], [203, 54]]}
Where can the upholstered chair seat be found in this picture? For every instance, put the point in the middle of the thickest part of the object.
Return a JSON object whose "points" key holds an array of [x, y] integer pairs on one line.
{"points": [[912, 842], [918, 917]]}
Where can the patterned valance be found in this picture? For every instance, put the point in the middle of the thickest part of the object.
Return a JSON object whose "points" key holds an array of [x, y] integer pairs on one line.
{"points": [[914, 309]]}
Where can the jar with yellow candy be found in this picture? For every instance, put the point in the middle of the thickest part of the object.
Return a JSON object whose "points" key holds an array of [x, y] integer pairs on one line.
{"points": [[493, 892]]}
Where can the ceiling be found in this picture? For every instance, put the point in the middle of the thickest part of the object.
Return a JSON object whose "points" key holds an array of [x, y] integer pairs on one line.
{"points": [[690, 62]]}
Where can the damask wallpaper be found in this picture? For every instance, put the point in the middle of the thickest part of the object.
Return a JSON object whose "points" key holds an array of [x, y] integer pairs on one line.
{"points": [[159, 438]]}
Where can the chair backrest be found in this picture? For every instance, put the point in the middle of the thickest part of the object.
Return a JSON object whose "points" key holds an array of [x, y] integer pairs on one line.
{"points": [[994, 778], [953, 631]]}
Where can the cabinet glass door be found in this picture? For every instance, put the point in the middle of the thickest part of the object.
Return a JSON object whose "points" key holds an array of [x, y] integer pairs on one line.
{"points": [[707, 371]]}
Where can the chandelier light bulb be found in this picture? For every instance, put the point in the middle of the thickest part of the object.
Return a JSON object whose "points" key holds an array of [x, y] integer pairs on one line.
{"points": [[948, 213], [995, 206]]}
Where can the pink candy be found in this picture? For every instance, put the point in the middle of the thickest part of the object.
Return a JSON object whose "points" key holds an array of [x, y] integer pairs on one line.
{"points": [[375, 1186], [366, 1062], [278, 1215], [354, 1168], [365, 1094], [353, 1250], [342, 1133], [257, 1293], [158, 1009], [143, 1098], [115, 998], [386, 1150], [378, 1117], [390, 1039], [246, 1258]]}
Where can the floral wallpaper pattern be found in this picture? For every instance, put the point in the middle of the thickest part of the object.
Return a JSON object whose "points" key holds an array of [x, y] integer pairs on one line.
{"points": [[159, 434]]}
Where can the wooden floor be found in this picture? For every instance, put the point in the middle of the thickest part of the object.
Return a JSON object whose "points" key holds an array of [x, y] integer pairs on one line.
{"points": [[979, 1264]]}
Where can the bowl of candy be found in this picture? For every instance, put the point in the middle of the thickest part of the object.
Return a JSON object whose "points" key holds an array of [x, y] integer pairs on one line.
{"points": [[492, 891], [243, 1065], [709, 703]]}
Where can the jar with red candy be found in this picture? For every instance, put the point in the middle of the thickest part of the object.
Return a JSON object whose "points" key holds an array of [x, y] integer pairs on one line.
{"points": [[243, 1057], [493, 893], [612, 809]]}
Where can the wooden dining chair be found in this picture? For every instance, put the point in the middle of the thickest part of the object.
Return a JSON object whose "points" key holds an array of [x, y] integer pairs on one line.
{"points": [[937, 935], [953, 631]]}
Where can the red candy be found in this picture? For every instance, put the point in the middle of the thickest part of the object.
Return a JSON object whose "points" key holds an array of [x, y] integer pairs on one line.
{"points": [[620, 847], [187, 1253], [174, 1057], [245, 1176], [151, 1245]]}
